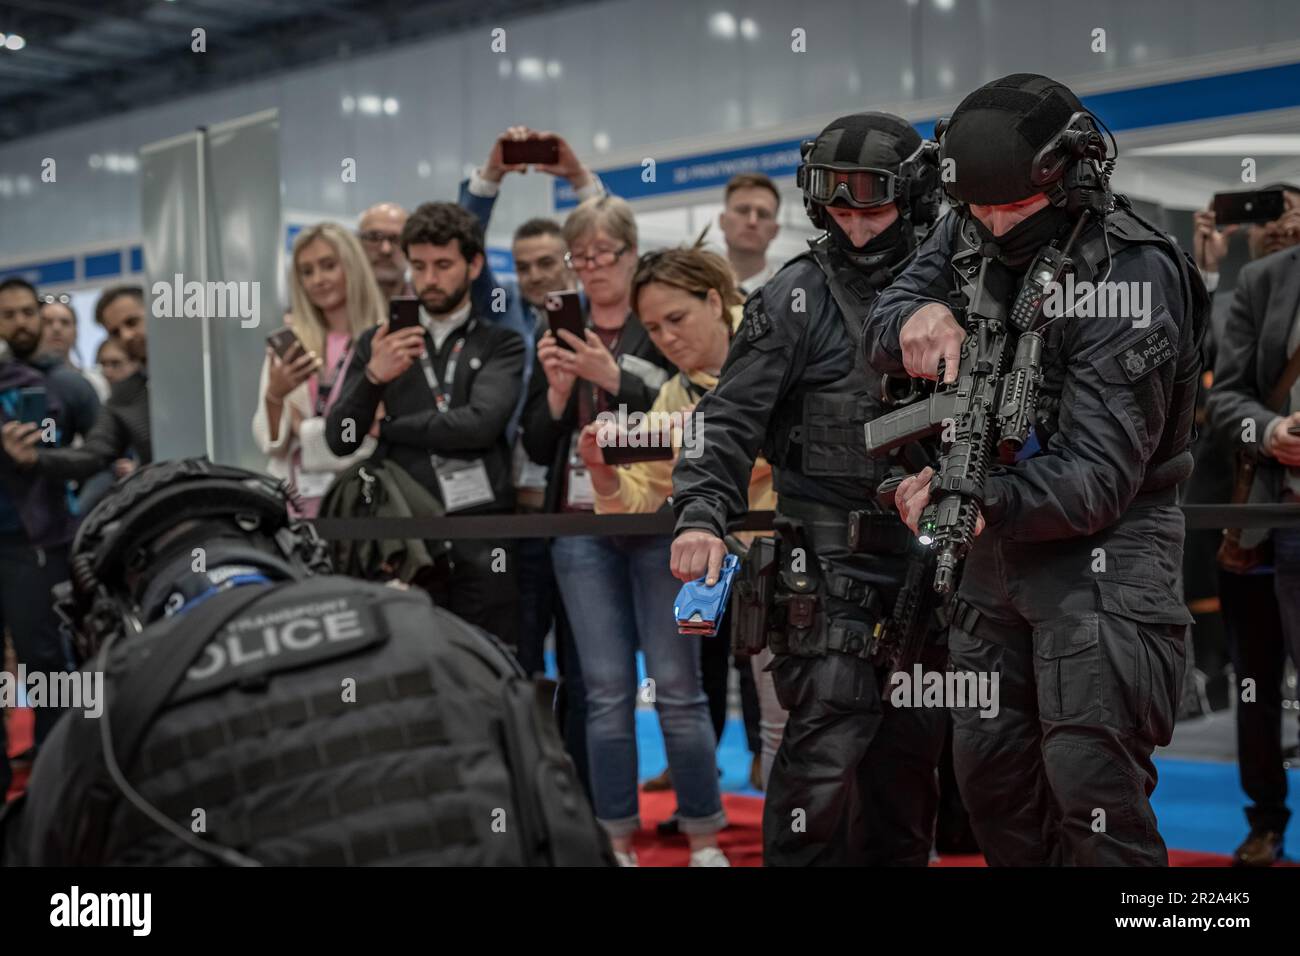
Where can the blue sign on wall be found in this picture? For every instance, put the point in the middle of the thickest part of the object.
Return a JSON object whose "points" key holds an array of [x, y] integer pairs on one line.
{"points": [[1180, 101]]}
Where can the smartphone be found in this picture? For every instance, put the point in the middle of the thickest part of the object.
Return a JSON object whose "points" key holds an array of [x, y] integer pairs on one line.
{"points": [[564, 311], [539, 152], [615, 455], [403, 312], [32, 407], [282, 343], [1251, 205]]}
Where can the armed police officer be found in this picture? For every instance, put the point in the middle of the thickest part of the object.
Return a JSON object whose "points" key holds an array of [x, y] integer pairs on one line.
{"points": [[254, 709], [1072, 594], [853, 781]]}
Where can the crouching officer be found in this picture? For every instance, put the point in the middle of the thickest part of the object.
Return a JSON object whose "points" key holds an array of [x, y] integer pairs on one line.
{"points": [[854, 779], [1071, 599], [254, 709]]}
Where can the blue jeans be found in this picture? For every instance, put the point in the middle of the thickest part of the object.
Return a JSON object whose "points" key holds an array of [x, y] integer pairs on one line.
{"points": [[619, 592]]}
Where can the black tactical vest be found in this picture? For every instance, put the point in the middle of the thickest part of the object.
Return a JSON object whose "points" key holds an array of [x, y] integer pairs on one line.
{"points": [[1124, 228], [818, 430], [328, 722]]}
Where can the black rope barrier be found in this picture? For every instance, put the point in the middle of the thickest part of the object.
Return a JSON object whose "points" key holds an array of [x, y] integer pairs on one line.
{"points": [[1198, 517]]}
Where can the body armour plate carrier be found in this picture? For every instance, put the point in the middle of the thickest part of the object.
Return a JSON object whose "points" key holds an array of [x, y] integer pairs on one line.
{"points": [[1123, 228], [818, 430]]}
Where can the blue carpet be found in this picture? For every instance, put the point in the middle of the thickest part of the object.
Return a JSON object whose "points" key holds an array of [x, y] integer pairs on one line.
{"points": [[1199, 804]]}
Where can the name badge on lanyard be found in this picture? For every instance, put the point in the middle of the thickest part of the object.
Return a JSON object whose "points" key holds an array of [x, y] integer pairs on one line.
{"points": [[462, 482], [580, 493]]}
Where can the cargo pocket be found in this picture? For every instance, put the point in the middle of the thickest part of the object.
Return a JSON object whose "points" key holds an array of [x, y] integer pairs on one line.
{"points": [[1067, 669], [1146, 626]]}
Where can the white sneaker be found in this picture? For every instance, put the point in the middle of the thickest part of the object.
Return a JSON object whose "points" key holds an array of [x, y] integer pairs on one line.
{"points": [[709, 856], [626, 859]]}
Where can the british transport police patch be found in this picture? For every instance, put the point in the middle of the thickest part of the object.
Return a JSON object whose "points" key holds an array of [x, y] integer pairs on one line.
{"points": [[1153, 351]]}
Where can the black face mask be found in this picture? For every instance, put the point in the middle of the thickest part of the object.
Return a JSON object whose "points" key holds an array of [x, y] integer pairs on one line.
{"points": [[1017, 246], [880, 251]]}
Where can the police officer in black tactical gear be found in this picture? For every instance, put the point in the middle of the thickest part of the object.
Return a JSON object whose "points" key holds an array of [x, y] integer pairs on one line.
{"points": [[1072, 593], [259, 710], [854, 779]]}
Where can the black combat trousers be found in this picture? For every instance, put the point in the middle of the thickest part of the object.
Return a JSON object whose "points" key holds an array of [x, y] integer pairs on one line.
{"points": [[854, 782], [1086, 639], [1252, 623]]}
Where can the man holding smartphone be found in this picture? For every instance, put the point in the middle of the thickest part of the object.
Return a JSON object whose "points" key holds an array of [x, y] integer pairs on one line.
{"points": [[449, 385], [1254, 410], [40, 396]]}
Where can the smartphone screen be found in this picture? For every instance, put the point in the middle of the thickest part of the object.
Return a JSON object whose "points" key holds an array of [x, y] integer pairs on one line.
{"points": [[614, 455], [1252, 205], [282, 343], [542, 152], [32, 407], [564, 311], [403, 312]]}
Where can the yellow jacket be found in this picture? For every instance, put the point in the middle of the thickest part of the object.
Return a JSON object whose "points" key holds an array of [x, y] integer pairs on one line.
{"points": [[645, 486]]}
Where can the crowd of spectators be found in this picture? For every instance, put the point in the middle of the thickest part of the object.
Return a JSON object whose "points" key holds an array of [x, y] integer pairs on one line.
{"points": [[495, 412]]}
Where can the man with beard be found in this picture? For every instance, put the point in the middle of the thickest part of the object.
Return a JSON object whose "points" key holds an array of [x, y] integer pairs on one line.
{"points": [[853, 782], [1071, 596], [36, 525], [449, 386], [120, 438]]}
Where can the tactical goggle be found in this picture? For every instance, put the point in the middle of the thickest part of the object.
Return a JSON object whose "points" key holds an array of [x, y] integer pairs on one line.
{"points": [[861, 187]]}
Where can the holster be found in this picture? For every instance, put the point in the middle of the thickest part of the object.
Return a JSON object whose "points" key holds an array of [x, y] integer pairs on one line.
{"points": [[752, 595], [798, 622], [802, 623]]}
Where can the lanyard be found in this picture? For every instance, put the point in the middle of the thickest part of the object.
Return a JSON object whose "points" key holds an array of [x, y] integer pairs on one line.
{"points": [[693, 390], [325, 396], [594, 404], [441, 392]]}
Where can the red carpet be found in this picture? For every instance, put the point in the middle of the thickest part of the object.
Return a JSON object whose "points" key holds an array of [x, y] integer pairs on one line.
{"points": [[19, 723], [742, 840]]}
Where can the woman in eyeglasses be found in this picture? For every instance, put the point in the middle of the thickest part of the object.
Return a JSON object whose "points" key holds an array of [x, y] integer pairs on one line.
{"points": [[614, 366]]}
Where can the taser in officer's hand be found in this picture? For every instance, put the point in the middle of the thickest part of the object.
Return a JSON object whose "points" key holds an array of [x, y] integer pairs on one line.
{"points": [[699, 608]]}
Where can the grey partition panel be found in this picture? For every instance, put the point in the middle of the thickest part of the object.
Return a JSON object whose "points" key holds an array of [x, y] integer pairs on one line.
{"points": [[169, 179], [211, 215], [244, 215]]}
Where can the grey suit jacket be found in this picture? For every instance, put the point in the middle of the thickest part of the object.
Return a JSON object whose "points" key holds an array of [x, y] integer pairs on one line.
{"points": [[1250, 358]]}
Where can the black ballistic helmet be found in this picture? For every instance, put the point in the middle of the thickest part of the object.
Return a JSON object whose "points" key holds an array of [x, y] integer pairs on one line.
{"points": [[1015, 137], [870, 159], [132, 560]]}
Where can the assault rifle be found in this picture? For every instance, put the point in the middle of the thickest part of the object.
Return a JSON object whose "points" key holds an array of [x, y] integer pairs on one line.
{"points": [[983, 411]]}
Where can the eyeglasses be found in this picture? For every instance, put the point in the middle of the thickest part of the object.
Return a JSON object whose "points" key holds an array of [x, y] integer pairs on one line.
{"points": [[376, 238], [606, 258], [62, 299]]}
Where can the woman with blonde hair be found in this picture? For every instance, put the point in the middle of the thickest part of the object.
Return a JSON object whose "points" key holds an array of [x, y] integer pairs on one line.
{"points": [[334, 299]]}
